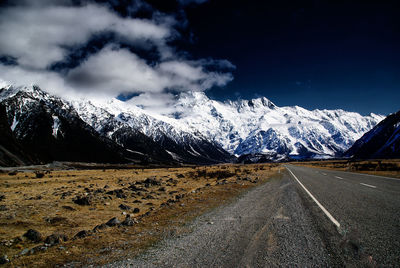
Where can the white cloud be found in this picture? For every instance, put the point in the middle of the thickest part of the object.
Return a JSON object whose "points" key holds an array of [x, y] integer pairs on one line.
{"points": [[159, 103], [120, 71], [116, 71], [39, 34]]}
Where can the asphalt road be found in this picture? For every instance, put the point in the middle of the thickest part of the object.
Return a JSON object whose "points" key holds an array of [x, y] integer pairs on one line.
{"points": [[280, 224], [366, 207]]}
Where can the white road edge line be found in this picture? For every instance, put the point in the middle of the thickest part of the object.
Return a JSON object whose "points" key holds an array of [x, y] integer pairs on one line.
{"points": [[368, 185], [329, 215], [340, 178]]}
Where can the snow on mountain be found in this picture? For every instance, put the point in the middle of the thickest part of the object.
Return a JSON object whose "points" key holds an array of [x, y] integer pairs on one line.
{"points": [[383, 141], [242, 127], [259, 126], [182, 145], [200, 130], [39, 120], [43, 128]]}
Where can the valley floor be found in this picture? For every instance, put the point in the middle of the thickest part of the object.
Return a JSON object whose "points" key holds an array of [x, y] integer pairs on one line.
{"points": [[77, 205]]}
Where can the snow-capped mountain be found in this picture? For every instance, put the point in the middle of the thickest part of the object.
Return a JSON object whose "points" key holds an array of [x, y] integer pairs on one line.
{"points": [[200, 130], [47, 128], [115, 119], [383, 141], [258, 126]]}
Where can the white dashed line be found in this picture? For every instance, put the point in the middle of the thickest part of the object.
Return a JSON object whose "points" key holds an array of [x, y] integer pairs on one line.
{"points": [[368, 185], [316, 201], [340, 178], [324, 174]]}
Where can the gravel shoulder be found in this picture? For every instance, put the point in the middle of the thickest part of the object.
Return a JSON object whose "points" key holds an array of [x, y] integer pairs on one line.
{"points": [[268, 226]]}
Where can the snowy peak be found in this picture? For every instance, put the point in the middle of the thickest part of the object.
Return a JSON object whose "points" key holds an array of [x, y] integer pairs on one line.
{"points": [[200, 130], [259, 126]]}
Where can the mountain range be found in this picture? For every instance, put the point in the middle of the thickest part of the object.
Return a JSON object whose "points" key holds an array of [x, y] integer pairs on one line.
{"points": [[39, 128]]}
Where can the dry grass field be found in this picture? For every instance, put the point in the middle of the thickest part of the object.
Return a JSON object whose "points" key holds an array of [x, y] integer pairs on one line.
{"points": [[388, 168], [70, 209]]}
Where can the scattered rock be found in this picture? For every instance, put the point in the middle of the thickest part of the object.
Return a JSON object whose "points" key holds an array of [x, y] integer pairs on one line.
{"points": [[82, 234], [113, 222], [161, 189], [98, 191], [124, 207], [4, 259], [83, 201], [56, 220], [135, 188], [55, 239], [99, 227], [136, 210], [39, 174], [179, 196], [68, 208], [152, 181], [38, 249], [180, 176], [24, 251], [137, 202], [33, 235], [3, 208], [2, 197], [12, 173], [118, 193], [128, 221]]}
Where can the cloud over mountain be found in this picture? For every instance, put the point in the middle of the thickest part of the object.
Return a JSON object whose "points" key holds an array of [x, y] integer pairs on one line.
{"points": [[38, 36]]}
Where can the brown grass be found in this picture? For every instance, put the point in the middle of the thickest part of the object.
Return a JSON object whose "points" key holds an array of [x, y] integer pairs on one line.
{"points": [[387, 168], [44, 204]]}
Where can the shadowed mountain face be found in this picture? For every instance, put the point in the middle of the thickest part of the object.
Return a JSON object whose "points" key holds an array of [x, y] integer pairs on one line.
{"points": [[39, 128], [11, 151], [383, 141], [48, 129]]}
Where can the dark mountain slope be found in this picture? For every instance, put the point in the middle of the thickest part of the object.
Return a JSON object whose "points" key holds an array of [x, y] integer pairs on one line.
{"points": [[11, 151], [383, 141]]}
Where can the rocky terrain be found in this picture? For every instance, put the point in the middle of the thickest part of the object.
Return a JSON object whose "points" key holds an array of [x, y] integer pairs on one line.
{"points": [[94, 216]]}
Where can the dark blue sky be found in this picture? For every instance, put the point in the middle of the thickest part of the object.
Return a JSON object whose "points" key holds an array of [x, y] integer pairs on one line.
{"points": [[315, 54]]}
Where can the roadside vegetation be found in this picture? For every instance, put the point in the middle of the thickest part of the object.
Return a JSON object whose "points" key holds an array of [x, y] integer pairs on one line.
{"points": [[81, 217], [384, 167]]}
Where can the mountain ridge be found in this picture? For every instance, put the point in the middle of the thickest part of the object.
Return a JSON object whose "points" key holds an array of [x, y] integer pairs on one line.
{"points": [[383, 141], [200, 130]]}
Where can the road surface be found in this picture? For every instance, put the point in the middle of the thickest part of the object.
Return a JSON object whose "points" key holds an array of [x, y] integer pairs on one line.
{"points": [[304, 217]]}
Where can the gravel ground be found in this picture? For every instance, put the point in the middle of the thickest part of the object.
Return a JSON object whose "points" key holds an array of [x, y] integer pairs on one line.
{"points": [[269, 226]]}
